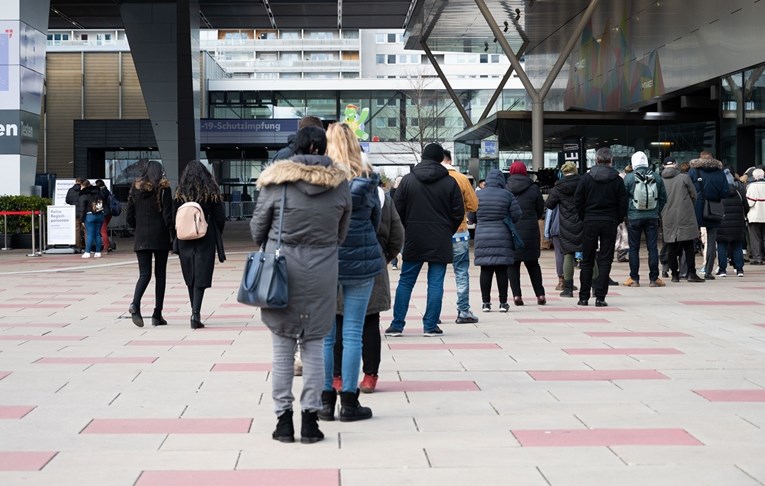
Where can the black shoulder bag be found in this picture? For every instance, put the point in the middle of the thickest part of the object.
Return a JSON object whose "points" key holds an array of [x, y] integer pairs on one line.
{"points": [[712, 211]]}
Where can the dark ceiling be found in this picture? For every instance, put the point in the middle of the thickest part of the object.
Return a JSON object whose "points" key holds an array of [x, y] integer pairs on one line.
{"points": [[236, 14]]}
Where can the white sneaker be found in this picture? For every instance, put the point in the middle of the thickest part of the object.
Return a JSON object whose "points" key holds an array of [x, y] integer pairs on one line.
{"points": [[86, 255], [97, 255]]}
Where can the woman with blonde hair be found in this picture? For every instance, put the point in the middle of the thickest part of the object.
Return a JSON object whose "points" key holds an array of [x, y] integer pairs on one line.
{"points": [[360, 259]]}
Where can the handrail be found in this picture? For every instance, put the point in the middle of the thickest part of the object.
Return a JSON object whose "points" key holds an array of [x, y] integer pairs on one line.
{"points": [[31, 213]]}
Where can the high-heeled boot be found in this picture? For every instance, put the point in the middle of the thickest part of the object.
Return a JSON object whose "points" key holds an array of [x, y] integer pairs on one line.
{"points": [[135, 315], [157, 319], [196, 322]]}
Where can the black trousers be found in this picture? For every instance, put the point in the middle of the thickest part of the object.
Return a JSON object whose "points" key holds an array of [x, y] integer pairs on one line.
{"points": [[675, 250], [370, 345], [144, 276], [535, 275], [596, 233], [487, 273]]}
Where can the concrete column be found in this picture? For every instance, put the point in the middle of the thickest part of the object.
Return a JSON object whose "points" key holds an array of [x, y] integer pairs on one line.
{"points": [[537, 134], [164, 42], [22, 71]]}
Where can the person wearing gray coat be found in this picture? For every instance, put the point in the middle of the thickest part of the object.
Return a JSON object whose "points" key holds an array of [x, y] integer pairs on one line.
{"points": [[317, 213], [679, 220]]}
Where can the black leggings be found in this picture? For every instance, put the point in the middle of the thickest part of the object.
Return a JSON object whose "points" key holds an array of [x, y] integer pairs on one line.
{"points": [[144, 276], [370, 345], [487, 272], [196, 294], [535, 275]]}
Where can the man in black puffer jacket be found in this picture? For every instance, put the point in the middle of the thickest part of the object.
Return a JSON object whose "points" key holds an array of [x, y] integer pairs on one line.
{"points": [[601, 202], [430, 205]]}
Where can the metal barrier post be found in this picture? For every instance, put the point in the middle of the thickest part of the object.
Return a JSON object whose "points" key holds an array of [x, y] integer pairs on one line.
{"points": [[42, 221], [5, 232], [34, 253]]}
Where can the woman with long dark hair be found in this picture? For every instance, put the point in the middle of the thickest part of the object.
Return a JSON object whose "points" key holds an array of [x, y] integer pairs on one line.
{"points": [[150, 212], [197, 257]]}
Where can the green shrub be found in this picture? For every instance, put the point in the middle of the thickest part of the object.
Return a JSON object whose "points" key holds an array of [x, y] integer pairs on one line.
{"points": [[21, 224]]}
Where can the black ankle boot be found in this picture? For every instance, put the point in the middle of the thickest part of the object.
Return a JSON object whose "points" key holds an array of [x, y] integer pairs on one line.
{"points": [[328, 401], [350, 408], [157, 320], [135, 315], [568, 288], [196, 322], [309, 428], [285, 431]]}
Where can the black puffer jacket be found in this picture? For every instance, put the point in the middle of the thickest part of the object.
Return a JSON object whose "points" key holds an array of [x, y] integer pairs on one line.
{"points": [[493, 242], [601, 196], [570, 227], [733, 226], [529, 197], [429, 202], [85, 199], [150, 212]]}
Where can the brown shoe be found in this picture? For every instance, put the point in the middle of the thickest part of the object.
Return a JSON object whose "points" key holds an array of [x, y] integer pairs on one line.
{"points": [[657, 283], [560, 284], [368, 384], [631, 283]]}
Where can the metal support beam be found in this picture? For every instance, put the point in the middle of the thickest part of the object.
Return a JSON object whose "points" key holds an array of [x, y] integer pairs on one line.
{"points": [[448, 86], [537, 134], [501, 86]]}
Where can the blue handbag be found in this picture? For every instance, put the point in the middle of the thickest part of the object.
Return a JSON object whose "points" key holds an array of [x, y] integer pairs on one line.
{"points": [[517, 240], [264, 283]]}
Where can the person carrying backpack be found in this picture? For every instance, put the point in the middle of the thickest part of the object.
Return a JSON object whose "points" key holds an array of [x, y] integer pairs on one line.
{"points": [[646, 197], [106, 196], [91, 207]]}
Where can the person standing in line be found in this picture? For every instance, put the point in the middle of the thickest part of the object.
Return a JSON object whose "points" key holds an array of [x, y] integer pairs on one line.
{"points": [[731, 233], [105, 195], [644, 220], [494, 247], [601, 202], [390, 235], [755, 196], [679, 221], [197, 257], [360, 259], [430, 205], [529, 197], [392, 193], [150, 213], [461, 244], [91, 208], [72, 196], [711, 185], [317, 212], [289, 151]]}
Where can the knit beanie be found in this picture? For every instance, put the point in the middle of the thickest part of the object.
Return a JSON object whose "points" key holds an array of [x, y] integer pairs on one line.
{"points": [[639, 160], [758, 174], [433, 151], [518, 168]]}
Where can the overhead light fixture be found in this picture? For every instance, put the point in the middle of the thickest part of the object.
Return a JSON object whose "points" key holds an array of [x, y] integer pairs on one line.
{"points": [[485, 47], [507, 26], [517, 14]]}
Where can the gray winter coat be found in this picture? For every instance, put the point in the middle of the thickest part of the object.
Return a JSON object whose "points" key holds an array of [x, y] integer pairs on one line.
{"points": [[493, 241], [316, 219], [678, 216]]}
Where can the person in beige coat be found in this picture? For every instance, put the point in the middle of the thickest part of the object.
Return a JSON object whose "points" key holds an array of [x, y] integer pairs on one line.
{"points": [[755, 196]]}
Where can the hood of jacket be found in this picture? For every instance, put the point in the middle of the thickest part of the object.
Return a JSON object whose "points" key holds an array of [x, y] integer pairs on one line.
{"points": [[147, 186], [495, 179], [517, 183], [706, 164], [429, 171], [603, 173], [312, 174], [670, 172], [90, 190], [363, 185], [567, 185]]}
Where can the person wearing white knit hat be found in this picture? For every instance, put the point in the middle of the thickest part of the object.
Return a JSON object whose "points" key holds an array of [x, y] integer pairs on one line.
{"points": [[755, 197], [647, 197]]}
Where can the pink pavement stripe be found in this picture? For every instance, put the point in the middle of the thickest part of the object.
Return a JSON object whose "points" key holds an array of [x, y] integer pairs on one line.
{"points": [[732, 395], [14, 412], [596, 375], [190, 342], [562, 320], [25, 337], [264, 477], [34, 306], [231, 316], [25, 461], [233, 328], [760, 325], [59, 324], [719, 302], [427, 386], [657, 334], [3, 374], [241, 367], [406, 346], [169, 426], [604, 437], [97, 360], [620, 351], [589, 308]]}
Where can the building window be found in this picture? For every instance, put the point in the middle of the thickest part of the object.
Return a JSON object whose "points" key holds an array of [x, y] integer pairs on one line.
{"points": [[292, 35], [495, 58], [392, 122], [484, 58], [391, 38], [57, 39], [391, 59], [321, 35], [380, 38], [350, 34], [380, 58]]}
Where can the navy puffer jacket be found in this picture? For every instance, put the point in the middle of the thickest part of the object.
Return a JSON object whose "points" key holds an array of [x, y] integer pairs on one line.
{"points": [[709, 179], [360, 256], [530, 198], [493, 243], [570, 227]]}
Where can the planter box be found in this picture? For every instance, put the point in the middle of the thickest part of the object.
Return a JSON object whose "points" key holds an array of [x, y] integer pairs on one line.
{"points": [[22, 241]]}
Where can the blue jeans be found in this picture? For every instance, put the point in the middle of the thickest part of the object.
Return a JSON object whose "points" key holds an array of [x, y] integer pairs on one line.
{"points": [[635, 230], [93, 224], [737, 254], [355, 300], [409, 273], [461, 251]]}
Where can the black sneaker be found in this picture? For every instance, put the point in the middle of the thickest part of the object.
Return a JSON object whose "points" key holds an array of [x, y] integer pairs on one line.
{"points": [[583, 302], [393, 332], [486, 307], [435, 332], [504, 307], [709, 276]]}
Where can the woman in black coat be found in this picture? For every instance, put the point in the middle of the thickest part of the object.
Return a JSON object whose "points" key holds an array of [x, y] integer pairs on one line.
{"points": [[530, 198], [150, 212], [197, 257], [731, 233]]}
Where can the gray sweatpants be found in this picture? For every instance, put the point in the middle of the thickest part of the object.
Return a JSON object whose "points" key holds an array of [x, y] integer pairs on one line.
{"points": [[283, 373]]}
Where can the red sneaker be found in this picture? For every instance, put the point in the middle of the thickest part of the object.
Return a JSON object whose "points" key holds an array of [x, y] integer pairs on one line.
{"points": [[369, 383], [337, 383]]}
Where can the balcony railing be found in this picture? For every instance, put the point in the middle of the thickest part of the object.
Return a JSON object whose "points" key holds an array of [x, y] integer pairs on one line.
{"points": [[250, 65], [279, 44]]}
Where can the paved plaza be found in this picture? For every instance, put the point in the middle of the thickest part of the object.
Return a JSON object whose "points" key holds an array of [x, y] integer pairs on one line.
{"points": [[666, 386]]}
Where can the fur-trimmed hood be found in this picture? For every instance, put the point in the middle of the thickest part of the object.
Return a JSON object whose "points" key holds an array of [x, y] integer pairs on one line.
{"points": [[706, 163], [312, 173], [147, 186]]}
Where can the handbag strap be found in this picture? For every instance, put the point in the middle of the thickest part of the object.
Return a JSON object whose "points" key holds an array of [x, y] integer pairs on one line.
{"points": [[281, 220]]}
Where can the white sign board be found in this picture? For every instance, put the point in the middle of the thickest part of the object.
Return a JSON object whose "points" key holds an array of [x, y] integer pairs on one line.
{"points": [[61, 225]]}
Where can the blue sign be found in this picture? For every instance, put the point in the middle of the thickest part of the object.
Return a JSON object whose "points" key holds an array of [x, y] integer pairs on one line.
{"points": [[249, 126], [489, 148]]}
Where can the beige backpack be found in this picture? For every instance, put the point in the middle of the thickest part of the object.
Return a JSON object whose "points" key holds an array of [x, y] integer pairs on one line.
{"points": [[190, 222]]}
